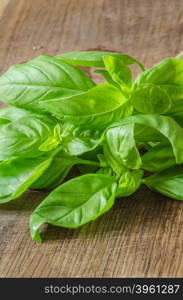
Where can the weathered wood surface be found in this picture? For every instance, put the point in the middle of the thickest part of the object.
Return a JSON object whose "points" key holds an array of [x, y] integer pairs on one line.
{"points": [[142, 235]]}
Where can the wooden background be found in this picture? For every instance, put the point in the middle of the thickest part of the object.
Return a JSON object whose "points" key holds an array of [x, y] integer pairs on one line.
{"points": [[141, 235]]}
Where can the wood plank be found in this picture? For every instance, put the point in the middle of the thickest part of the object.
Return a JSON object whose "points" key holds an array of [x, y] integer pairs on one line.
{"points": [[141, 235], [3, 4]]}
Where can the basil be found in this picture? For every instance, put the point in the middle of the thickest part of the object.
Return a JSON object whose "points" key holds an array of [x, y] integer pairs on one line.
{"points": [[58, 119]]}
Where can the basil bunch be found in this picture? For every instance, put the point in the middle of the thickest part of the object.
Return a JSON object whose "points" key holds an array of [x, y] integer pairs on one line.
{"points": [[57, 118]]}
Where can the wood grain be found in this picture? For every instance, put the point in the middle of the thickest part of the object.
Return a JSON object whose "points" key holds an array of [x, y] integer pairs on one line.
{"points": [[3, 4], [142, 234]]}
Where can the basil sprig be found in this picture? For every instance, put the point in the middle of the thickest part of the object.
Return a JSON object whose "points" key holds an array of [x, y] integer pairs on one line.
{"points": [[58, 118]]}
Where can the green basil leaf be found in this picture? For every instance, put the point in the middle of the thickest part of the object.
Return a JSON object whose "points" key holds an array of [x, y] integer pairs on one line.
{"points": [[80, 145], [13, 113], [129, 182], [107, 77], [150, 99], [59, 169], [52, 141], [168, 74], [158, 158], [95, 58], [24, 136], [107, 171], [176, 112], [77, 140], [166, 126], [56, 172], [168, 71], [120, 148], [18, 174], [168, 182], [96, 108], [144, 134], [119, 72], [175, 92], [75, 203], [41, 79]]}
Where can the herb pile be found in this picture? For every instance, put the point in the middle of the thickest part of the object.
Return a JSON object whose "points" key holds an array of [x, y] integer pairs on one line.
{"points": [[57, 118]]}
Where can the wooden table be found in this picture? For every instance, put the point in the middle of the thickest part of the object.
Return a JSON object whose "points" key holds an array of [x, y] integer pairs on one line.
{"points": [[141, 235]]}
